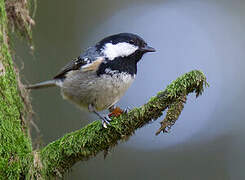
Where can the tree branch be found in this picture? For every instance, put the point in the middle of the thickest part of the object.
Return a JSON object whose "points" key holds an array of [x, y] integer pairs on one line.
{"points": [[58, 156]]}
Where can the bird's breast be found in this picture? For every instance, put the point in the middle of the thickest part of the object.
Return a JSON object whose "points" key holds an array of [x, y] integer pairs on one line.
{"points": [[102, 91]]}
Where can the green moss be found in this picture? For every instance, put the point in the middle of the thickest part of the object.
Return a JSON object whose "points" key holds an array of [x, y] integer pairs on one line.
{"points": [[194, 81], [15, 146]]}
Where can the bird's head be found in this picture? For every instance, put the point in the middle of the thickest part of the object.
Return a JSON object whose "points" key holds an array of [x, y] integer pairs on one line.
{"points": [[123, 45]]}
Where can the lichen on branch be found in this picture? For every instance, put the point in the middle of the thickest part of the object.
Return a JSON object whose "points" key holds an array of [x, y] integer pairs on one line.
{"points": [[19, 19], [58, 156]]}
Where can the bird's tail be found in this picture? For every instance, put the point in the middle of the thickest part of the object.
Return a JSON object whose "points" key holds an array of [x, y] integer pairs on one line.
{"points": [[44, 84]]}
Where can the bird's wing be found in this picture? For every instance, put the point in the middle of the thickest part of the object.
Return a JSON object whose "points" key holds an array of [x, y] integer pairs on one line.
{"points": [[94, 65], [89, 61], [75, 64]]}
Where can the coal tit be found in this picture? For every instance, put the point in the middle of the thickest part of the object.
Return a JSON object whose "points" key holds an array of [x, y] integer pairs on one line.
{"points": [[99, 77]]}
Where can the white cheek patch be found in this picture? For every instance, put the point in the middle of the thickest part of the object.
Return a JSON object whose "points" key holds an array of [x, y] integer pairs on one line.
{"points": [[111, 51]]}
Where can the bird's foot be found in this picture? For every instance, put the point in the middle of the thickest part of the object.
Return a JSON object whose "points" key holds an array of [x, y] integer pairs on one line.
{"points": [[105, 121], [126, 110]]}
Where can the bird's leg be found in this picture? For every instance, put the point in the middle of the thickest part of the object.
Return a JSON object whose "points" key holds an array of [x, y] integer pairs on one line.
{"points": [[104, 119]]}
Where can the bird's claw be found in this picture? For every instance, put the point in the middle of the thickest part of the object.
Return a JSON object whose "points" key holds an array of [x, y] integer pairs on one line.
{"points": [[126, 110], [105, 121]]}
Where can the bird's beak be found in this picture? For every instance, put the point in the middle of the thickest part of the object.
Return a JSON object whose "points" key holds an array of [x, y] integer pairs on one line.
{"points": [[147, 49]]}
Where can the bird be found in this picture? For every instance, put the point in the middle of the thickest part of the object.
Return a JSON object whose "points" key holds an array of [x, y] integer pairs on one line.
{"points": [[99, 77]]}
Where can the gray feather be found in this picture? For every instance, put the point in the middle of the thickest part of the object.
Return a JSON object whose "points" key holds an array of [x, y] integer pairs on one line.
{"points": [[44, 84]]}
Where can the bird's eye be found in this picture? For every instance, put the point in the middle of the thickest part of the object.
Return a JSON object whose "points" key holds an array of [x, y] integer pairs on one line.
{"points": [[131, 42]]}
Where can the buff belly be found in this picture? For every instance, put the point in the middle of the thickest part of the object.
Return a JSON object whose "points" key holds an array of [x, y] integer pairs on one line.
{"points": [[86, 88]]}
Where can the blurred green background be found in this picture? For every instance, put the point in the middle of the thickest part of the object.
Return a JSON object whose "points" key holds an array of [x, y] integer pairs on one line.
{"points": [[207, 141]]}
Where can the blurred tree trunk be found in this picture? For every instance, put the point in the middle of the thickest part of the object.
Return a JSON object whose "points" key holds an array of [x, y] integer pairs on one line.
{"points": [[15, 143], [18, 160]]}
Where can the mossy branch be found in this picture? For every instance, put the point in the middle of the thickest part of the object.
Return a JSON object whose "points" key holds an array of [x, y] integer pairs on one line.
{"points": [[58, 156]]}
